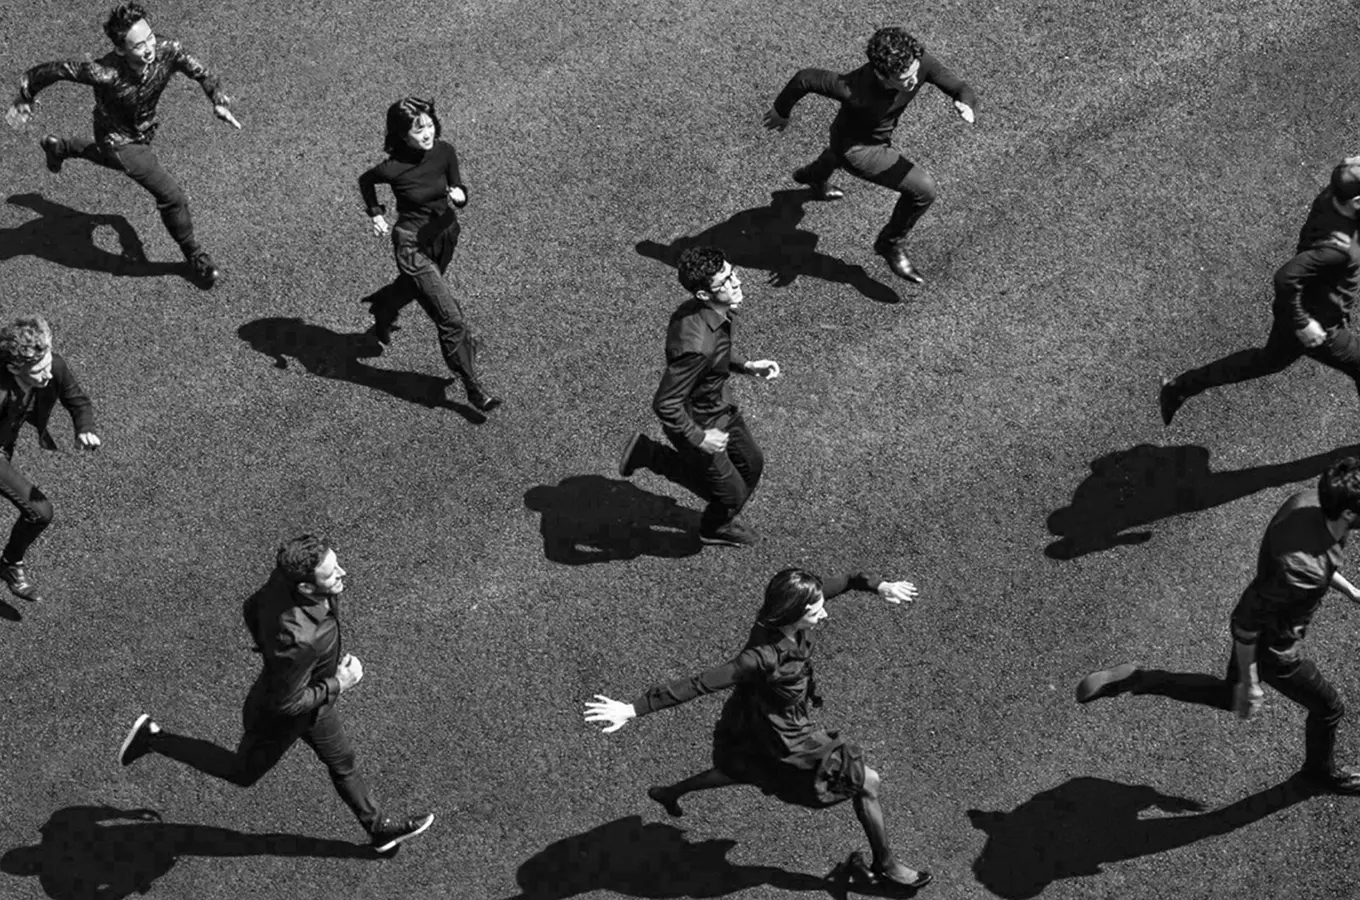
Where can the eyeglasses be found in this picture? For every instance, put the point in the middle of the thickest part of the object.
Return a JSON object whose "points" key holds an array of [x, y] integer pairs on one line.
{"points": [[726, 282]]}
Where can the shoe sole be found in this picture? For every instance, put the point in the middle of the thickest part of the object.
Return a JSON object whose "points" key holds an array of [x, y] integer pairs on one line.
{"points": [[1167, 404], [1095, 685], [132, 736], [723, 542], [627, 454], [396, 841]]}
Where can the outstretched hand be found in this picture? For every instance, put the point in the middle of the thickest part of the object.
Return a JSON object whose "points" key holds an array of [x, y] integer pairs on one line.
{"points": [[774, 121], [965, 112], [223, 113], [611, 712], [897, 591]]}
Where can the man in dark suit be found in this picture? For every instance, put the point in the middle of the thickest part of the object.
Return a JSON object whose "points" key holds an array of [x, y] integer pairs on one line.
{"points": [[33, 379]]}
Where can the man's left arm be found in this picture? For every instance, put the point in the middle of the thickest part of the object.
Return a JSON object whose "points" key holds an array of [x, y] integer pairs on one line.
{"points": [[1343, 586], [185, 63], [76, 402], [938, 74]]}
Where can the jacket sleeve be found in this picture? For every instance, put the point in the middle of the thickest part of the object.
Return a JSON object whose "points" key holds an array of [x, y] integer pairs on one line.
{"points": [[1292, 278], [452, 172], [938, 74], [192, 68], [47, 74], [747, 666], [368, 188], [288, 690], [810, 81], [72, 397], [682, 373], [839, 584]]}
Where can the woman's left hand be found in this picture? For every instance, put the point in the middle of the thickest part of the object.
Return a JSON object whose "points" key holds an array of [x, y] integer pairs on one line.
{"points": [[897, 591], [612, 713]]}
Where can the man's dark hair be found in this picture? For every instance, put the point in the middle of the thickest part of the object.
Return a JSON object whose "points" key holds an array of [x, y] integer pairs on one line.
{"points": [[120, 21], [1339, 488], [25, 340], [1346, 180], [788, 597], [696, 267], [892, 50], [299, 557], [402, 115]]}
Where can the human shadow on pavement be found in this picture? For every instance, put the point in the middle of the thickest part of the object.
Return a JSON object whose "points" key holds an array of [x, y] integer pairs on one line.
{"points": [[9, 613], [330, 354], [1145, 483], [593, 519], [635, 860], [1071, 830], [65, 236], [768, 238], [101, 852]]}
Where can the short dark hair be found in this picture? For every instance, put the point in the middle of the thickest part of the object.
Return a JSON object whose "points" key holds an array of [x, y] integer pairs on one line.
{"points": [[1339, 488], [788, 597], [25, 340], [120, 21], [891, 50], [1345, 179], [299, 557], [402, 115], [696, 267]]}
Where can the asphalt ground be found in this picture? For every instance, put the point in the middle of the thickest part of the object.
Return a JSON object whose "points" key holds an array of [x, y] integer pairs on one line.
{"points": [[1137, 172]]}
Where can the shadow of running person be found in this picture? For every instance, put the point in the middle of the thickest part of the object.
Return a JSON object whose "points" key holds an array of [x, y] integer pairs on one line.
{"points": [[768, 238], [1071, 830], [636, 860], [1146, 483], [65, 236], [593, 519], [103, 853], [330, 354]]}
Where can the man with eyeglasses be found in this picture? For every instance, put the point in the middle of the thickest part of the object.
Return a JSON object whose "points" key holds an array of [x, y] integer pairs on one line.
{"points": [[872, 99], [712, 449], [128, 83]]}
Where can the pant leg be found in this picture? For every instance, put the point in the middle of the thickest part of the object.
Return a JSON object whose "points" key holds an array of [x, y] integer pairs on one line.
{"points": [[35, 510], [328, 740], [433, 294], [884, 166], [1298, 678], [1340, 351], [88, 150], [140, 164], [723, 485], [258, 751], [745, 453], [1282, 348], [821, 168]]}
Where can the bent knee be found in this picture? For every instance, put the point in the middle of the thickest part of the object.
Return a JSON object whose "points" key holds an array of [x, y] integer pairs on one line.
{"points": [[871, 783], [40, 512]]}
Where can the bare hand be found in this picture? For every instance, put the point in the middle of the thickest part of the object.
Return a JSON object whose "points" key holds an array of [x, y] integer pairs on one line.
{"points": [[897, 591], [774, 121], [965, 112], [764, 368], [380, 226], [350, 672], [458, 197], [225, 115], [1247, 699], [18, 114], [612, 712], [88, 440], [1311, 335], [715, 441]]}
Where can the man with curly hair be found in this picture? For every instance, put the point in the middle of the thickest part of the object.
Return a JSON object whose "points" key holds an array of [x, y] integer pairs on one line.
{"points": [[34, 378], [871, 100], [1295, 568], [294, 622], [128, 83], [712, 449]]}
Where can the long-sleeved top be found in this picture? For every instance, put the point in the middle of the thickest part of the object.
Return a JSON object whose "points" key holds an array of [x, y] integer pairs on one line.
{"points": [[869, 111], [1322, 279], [694, 393], [420, 181], [124, 99], [298, 638], [1294, 568], [35, 406]]}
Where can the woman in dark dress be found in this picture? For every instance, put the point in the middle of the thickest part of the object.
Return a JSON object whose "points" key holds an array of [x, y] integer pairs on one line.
{"points": [[764, 736], [422, 171]]}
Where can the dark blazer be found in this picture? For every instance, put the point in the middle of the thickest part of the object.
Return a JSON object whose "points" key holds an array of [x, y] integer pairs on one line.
{"points": [[63, 387]]}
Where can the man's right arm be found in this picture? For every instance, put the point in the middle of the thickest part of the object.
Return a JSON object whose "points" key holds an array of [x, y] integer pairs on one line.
{"points": [[290, 690], [45, 74], [810, 81], [682, 374]]}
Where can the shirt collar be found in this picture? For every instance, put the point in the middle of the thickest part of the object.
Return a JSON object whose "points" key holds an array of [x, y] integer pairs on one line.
{"points": [[712, 318], [314, 606]]}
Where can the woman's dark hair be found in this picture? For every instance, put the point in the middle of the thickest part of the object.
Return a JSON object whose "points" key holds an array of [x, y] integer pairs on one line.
{"points": [[788, 596], [402, 115], [1339, 488], [120, 21]]}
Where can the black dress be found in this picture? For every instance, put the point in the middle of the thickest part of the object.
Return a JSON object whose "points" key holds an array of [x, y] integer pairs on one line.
{"points": [[764, 735]]}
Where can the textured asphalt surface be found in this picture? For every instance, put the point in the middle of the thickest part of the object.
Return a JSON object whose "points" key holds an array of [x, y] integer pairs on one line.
{"points": [[1136, 173]]}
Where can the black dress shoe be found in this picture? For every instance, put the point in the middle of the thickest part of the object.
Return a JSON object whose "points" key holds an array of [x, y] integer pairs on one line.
{"points": [[202, 270], [51, 147], [821, 190], [1169, 399], [16, 579], [859, 871], [733, 534], [633, 455], [897, 260], [1107, 683], [481, 400]]}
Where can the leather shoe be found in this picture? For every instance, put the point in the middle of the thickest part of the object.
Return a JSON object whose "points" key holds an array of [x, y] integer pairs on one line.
{"points": [[631, 459], [897, 260], [821, 190], [733, 534], [51, 147], [1169, 399], [481, 400], [16, 579], [1345, 780], [1106, 683]]}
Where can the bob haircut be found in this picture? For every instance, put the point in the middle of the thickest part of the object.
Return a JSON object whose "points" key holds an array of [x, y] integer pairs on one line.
{"points": [[402, 115]]}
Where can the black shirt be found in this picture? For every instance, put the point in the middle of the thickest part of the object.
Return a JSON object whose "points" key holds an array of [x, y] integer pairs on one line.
{"points": [[694, 394], [420, 180]]}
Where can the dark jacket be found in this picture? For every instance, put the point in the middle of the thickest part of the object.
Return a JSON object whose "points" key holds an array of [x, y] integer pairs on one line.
{"points": [[63, 387], [298, 639]]}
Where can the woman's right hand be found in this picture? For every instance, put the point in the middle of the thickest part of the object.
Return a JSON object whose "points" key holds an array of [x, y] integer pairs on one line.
{"points": [[380, 226], [613, 713]]}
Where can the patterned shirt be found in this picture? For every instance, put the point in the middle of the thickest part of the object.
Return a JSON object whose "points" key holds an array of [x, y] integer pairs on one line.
{"points": [[124, 99], [694, 394]]}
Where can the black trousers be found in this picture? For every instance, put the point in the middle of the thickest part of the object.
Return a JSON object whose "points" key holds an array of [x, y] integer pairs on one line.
{"points": [[1340, 351], [882, 165], [35, 510], [1285, 669], [139, 162], [726, 479], [264, 742]]}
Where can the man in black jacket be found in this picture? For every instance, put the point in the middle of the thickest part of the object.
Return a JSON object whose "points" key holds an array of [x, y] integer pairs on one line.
{"points": [[294, 621], [33, 380], [872, 99], [1314, 293]]}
